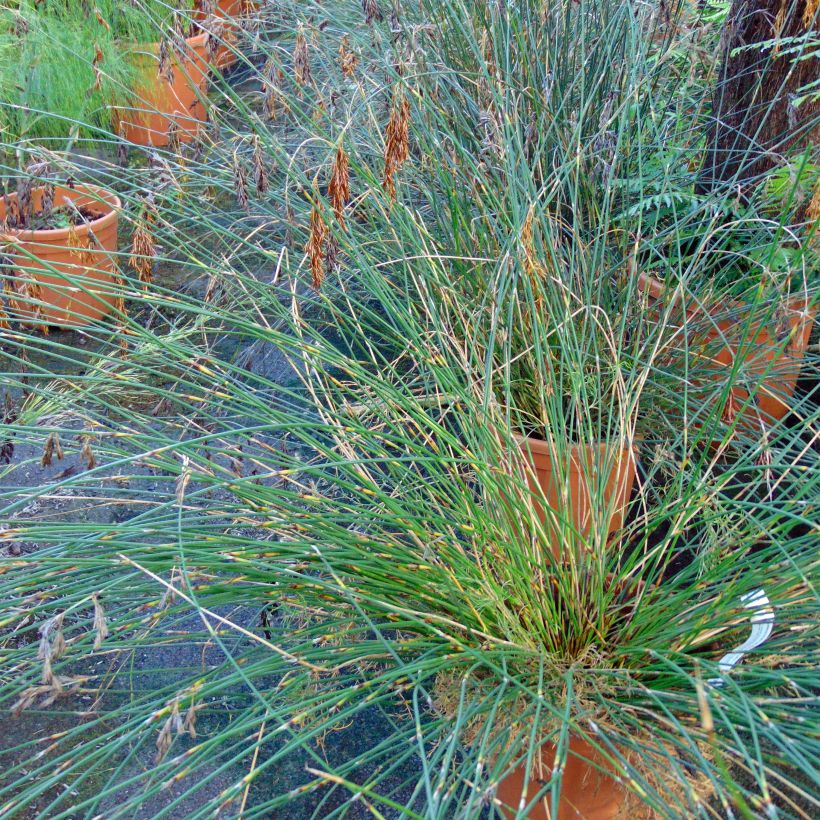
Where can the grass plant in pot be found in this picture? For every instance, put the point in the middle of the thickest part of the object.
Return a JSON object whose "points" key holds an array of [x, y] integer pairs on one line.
{"points": [[58, 246], [559, 371], [399, 591], [65, 69], [70, 66], [755, 345], [169, 99], [348, 493], [735, 287]]}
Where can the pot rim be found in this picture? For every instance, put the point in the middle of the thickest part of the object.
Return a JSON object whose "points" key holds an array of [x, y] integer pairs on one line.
{"points": [[110, 201], [196, 41], [541, 446], [655, 288]]}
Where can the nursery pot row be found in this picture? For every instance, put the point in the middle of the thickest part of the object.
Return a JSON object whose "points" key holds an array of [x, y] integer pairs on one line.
{"points": [[73, 269], [173, 101]]}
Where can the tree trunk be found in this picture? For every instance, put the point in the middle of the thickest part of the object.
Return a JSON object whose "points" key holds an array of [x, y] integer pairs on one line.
{"points": [[755, 121]]}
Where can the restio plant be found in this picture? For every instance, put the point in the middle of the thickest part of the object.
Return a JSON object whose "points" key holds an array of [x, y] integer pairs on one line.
{"points": [[289, 568]]}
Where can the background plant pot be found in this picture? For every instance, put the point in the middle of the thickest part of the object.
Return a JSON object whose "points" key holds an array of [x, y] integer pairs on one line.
{"points": [[160, 103], [584, 479], [586, 791], [75, 282], [720, 341], [229, 14]]}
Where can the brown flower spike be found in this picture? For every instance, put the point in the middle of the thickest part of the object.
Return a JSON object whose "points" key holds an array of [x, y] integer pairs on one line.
{"points": [[301, 60], [338, 188], [396, 142], [143, 250], [240, 183], [372, 11], [260, 170], [316, 246], [347, 58]]}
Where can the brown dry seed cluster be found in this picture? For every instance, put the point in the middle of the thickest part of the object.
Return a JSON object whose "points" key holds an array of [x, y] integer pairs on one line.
{"points": [[396, 143]]}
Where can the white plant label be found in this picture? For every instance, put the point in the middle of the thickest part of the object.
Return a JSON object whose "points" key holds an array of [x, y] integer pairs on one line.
{"points": [[762, 621]]}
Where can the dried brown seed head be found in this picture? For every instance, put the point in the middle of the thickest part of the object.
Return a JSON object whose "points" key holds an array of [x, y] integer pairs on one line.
{"points": [[100, 623], [316, 246], [347, 58], [165, 69], [240, 183], [396, 142], [143, 249], [260, 170], [51, 448], [301, 60], [87, 454], [338, 188], [372, 11]]}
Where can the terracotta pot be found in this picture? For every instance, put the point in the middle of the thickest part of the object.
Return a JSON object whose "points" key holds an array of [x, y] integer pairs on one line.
{"points": [[586, 792], [720, 341], [583, 482], [229, 13], [69, 276], [159, 104]]}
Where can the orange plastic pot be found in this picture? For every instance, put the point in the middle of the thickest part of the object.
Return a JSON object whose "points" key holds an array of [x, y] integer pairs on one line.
{"points": [[162, 106], [582, 479], [719, 342], [587, 790], [74, 273]]}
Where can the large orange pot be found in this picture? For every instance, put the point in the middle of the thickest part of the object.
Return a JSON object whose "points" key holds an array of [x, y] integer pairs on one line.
{"points": [[586, 791], [719, 342], [582, 476], [160, 104], [74, 274]]}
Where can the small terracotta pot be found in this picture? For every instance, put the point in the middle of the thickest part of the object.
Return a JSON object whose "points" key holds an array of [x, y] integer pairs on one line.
{"points": [[586, 791], [764, 359], [76, 282], [160, 104], [583, 481], [229, 13]]}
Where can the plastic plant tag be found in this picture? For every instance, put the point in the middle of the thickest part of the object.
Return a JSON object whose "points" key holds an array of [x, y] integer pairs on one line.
{"points": [[762, 621]]}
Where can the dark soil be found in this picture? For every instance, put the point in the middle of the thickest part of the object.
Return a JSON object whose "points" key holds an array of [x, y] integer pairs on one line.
{"points": [[56, 218]]}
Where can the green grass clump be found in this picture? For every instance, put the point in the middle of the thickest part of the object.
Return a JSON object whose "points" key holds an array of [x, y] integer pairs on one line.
{"points": [[410, 240]]}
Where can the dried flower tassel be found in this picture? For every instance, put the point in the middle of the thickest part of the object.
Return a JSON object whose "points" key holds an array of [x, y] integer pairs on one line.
{"points": [[240, 183], [372, 11], [166, 67], [51, 448], [396, 142], [316, 247], [338, 189], [347, 58], [100, 624], [260, 171], [301, 60], [143, 249], [87, 454]]}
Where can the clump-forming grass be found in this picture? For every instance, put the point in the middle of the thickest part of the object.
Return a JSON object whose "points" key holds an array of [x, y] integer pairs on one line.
{"points": [[403, 262]]}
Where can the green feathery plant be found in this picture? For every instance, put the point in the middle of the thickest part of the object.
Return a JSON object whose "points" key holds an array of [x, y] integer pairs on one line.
{"points": [[291, 479], [64, 65]]}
